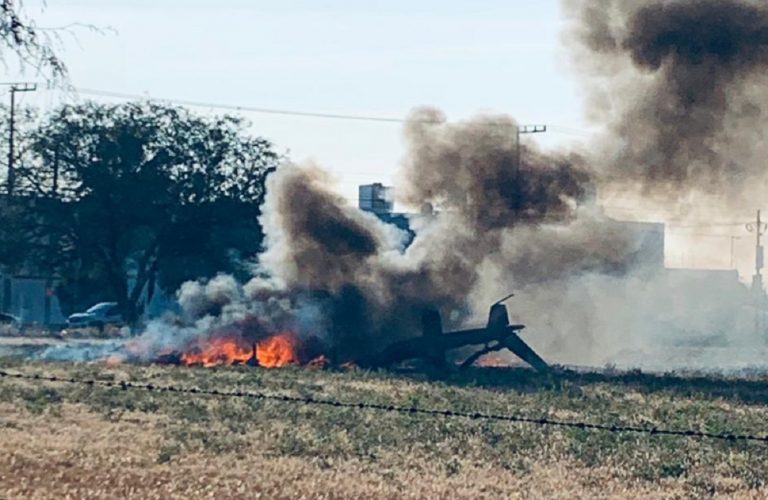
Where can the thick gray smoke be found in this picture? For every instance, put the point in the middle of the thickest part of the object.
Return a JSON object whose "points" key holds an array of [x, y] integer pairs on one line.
{"points": [[681, 86], [680, 89], [334, 273], [497, 227], [472, 169]]}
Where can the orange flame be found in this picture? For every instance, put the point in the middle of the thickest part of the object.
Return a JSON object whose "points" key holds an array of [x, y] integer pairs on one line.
{"points": [[493, 361], [277, 351], [321, 362], [113, 360], [218, 351]]}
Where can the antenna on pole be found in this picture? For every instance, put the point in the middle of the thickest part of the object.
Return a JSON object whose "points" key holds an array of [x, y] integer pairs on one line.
{"points": [[526, 129]]}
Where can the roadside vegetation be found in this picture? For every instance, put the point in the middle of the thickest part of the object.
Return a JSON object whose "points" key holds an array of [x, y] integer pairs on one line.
{"points": [[83, 441], [121, 201]]}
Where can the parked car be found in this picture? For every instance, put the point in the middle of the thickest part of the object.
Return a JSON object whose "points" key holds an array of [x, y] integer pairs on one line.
{"points": [[8, 319], [98, 316]]}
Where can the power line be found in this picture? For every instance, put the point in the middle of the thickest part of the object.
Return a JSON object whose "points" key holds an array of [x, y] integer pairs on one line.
{"points": [[708, 207], [569, 131], [708, 235], [286, 112], [693, 226], [361, 405], [656, 211], [671, 223], [234, 107]]}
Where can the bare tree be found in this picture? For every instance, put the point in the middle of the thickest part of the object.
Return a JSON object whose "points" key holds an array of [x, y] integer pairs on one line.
{"points": [[35, 46]]}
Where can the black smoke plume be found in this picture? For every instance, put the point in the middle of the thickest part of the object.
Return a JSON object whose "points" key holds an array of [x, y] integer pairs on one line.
{"points": [[681, 87], [332, 272], [489, 210]]}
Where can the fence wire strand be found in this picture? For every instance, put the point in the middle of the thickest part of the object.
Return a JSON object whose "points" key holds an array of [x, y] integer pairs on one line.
{"points": [[409, 410]]}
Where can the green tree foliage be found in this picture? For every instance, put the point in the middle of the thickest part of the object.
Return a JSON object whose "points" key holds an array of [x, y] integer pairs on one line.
{"points": [[140, 190]]}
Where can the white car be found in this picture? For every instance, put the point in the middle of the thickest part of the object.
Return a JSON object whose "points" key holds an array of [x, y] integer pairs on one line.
{"points": [[98, 316]]}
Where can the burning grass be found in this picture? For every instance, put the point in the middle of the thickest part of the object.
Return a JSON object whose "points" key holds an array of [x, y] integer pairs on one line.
{"points": [[272, 351], [61, 440], [277, 351]]}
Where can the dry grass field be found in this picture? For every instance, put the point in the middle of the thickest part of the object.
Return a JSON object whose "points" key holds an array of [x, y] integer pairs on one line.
{"points": [[73, 441]]}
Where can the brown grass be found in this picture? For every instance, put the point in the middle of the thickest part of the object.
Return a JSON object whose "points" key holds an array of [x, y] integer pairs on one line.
{"points": [[66, 441]]}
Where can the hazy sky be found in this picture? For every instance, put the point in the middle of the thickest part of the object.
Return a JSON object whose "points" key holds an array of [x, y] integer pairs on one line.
{"points": [[370, 58]]}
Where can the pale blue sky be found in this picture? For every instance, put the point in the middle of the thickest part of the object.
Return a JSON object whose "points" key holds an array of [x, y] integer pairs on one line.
{"points": [[372, 58]]}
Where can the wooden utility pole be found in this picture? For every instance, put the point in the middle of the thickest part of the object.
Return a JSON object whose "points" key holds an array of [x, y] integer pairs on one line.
{"points": [[758, 228], [5, 304], [758, 292], [15, 87]]}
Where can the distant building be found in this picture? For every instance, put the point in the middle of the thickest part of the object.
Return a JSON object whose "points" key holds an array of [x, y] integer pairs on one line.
{"points": [[375, 198], [649, 236], [31, 299], [378, 200], [720, 282], [707, 302]]}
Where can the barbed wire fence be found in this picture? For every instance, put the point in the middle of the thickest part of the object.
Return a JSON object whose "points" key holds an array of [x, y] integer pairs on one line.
{"points": [[407, 410]]}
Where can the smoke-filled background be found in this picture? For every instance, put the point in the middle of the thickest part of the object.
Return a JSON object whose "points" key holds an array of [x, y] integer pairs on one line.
{"points": [[679, 88], [496, 226], [584, 286], [334, 272]]}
